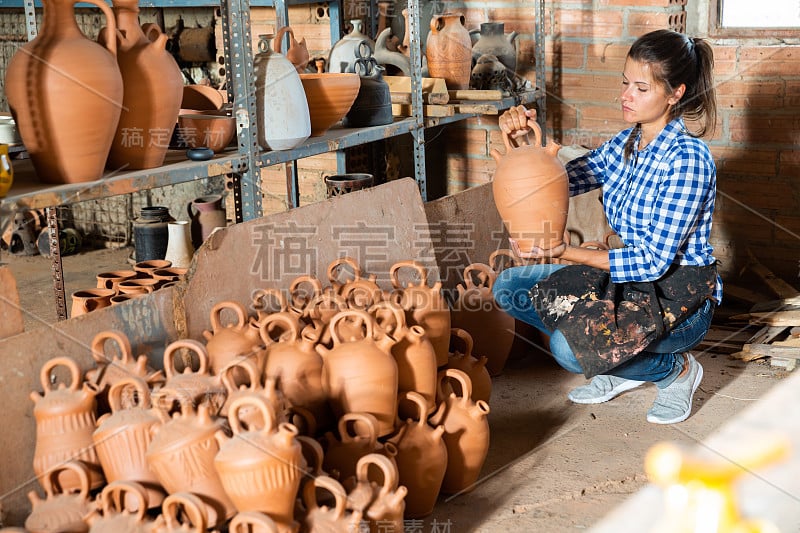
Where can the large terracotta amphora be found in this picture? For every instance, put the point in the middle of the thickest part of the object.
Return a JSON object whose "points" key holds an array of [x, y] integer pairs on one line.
{"points": [[424, 306], [360, 374], [181, 455], [260, 467], [65, 421], [421, 458], [153, 89], [475, 311], [382, 504], [449, 50], [61, 510], [65, 92], [531, 192], [466, 434], [122, 437]]}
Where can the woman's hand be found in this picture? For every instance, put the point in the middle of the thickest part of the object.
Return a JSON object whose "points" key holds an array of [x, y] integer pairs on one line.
{"points": [[536, 252], [514, 121]]}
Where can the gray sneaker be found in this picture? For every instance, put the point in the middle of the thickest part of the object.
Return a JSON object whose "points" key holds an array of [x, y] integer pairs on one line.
{"points": [[674, 402], [601, 389]]}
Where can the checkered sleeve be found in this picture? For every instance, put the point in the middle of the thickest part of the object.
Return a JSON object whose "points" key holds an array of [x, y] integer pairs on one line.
{"points": [[678, 211], [587, 172]]}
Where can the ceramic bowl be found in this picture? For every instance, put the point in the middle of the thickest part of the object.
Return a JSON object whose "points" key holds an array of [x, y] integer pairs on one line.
{"points": [[330, 96], [198, 130], [202, 97]]}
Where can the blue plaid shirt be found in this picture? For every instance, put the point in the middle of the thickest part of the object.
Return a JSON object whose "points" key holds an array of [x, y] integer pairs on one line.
{"points": [[659, 202]]}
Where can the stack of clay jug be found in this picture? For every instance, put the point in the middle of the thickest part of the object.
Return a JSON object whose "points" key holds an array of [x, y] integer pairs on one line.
{"points": [[321, 407]]}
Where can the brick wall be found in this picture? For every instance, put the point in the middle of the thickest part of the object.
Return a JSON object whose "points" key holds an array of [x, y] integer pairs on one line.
{"points": [[755, 145]]}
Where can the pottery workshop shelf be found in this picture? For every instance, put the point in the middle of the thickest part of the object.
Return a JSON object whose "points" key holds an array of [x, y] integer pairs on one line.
{"points": [[29, 192]]}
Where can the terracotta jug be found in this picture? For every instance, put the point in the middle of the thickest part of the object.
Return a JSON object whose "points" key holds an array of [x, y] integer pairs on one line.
{"points": [[424, 306], [252, 522], [181, 455], [87, 300], [466, 434], [297, 53], [320, 311], [193, 383], [65, 421], [343, 270], [122, 437], [153, 89], [295, 365], [449, 50], [121, 506], [260, 467], [322, 519], [357, 437], [206, 214], [241, 378], [283, 118], [182, 512], [302, 291], [475, 311], [492, 39], [413, 353], [270, 301], [381, 502], [61, 510], [421, 458], [118, 363], [66, 107], [531, 192], [360, 375], [462, 359], [238, 340]]}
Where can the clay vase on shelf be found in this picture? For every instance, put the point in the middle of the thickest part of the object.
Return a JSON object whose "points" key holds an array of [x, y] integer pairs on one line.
{"points": [[282, 112], [206, 214], [449, 50], [153, 89], [66, 106], [297, 53], [343, 53], [373, 104], [531, 192], [491, 39], [150, 233], [329, 97], [179, 244]]}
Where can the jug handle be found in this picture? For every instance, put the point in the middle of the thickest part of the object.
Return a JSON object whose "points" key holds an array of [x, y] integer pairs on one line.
{"points": [[465, 337], [367, 418], [188, 506], [421, 270], [216, 314], [111, 43], [196, 346], [259, 299], [251, 521], [511, 145], [334, 265], [277, 42], [74, 372], [386, 466], [255, 401], [507, 254], [77, 467], [366, 318], [422, 405], [460, 376], [332, 486], [226, 375], [116, 494], [123, 343], [115, 393], [487, 280], [155, 35], [283, 319]]}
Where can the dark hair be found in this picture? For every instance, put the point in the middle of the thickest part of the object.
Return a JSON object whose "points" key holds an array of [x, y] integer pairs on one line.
{"points": [[676, 59]]}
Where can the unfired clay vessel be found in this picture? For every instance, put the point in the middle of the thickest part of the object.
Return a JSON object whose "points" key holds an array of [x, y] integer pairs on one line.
{"points": [[449, 50]]}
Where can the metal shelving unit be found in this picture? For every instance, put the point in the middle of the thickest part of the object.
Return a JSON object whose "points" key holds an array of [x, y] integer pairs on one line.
{"points": [[244, 164]]}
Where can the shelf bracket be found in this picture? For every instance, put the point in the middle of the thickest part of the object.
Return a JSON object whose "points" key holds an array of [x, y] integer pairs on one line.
{"points": [[55, 261]]}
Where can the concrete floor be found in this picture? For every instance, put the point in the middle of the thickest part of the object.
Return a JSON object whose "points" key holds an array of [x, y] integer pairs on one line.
{"points": [[553, 466]]}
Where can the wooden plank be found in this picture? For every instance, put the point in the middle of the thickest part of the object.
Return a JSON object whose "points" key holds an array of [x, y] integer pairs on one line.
{"points": [[475, 94], [480, 109], [781, 362], [776, 284], [771, 350], [774, 318], [404, 110], [11, 322], [402, 84], [427, 98], [766, 334]]}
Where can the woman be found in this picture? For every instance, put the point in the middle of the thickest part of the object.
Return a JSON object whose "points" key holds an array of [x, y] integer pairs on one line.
{"points": [[659, 186]]}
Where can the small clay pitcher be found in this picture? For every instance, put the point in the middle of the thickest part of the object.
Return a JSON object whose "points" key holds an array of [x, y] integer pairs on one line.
{"points": [[61, 510], [206, 214], [119, 364], [235, 341], [421, 458], [531, 192], [424, 306], [466, 434], [360, 375], [297, 53], [87, 300], [475, 311], [182, 512], [193, 383], [122, 438], [323, 518], [260, 467], [65, 421], [357, 437], [383, 503], [462, 359], [121, 506]]}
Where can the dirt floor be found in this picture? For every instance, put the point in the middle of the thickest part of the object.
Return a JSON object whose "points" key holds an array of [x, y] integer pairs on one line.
{"points": [[553, 466]]}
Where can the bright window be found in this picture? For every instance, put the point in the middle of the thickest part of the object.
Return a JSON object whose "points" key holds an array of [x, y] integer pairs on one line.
{"points": [[768, 14]]}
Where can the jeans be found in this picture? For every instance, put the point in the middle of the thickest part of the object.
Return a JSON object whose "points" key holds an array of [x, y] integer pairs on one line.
{"points": [[660, 362]]}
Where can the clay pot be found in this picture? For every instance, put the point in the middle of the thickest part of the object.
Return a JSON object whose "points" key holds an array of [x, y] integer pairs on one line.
{"points": [[65, 421], [344, 52], [360, 375], [381, 503], [182, 512], [114, 367], [297, 53], [238, 340], [66, 107], [179, 244], [449, 50], [260, 468], [181, 455], [475, 311], [421, 458], [110, 279], [62, 509], [146, 268], [138, 287], [206, 214], [329, 96], [121, 506], [323, 518], [88, 300], [461, 358], [424, 306], [193, 384], [531, 192], [357, 437], [153, 89], [213, 131], [122, 438], [373, 104], [466, 435], [252, 522], [491, 39]]}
